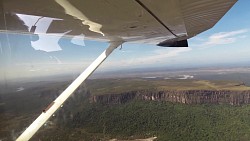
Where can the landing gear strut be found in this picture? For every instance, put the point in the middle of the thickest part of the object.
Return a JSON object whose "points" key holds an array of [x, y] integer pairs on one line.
{"points": [[49, 111]]}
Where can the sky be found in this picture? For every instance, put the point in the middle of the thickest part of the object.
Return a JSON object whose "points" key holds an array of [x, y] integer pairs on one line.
{"points": [[226, 44]]}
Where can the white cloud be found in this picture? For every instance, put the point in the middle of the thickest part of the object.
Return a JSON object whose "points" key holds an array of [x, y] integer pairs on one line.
{"points": [[164, 54], [225, 37], [33, 70], [158, 55]]}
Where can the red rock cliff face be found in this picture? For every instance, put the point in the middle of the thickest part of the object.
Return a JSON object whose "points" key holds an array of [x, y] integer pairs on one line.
{"points": [[184, 96]]}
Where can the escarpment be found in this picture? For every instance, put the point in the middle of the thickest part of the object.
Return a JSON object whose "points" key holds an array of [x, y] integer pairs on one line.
{"points": [[178, 96]]}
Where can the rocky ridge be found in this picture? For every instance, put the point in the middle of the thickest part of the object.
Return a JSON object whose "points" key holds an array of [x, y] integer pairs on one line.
{"points": [[231, 97]]}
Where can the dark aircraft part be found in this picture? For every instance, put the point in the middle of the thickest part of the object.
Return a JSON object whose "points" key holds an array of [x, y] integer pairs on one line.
{"points": [[167, 43], [51, 104], [33, 28], [2, 17]]}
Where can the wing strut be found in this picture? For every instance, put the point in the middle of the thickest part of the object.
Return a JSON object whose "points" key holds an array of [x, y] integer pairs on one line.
{"points": [[46, 114]]}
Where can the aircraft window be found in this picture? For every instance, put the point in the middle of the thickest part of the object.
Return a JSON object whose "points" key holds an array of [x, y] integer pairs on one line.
{"points": [[141, 91]]}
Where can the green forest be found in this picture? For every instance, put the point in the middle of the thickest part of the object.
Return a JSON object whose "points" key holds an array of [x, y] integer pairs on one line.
{"points": [[166, 121]]}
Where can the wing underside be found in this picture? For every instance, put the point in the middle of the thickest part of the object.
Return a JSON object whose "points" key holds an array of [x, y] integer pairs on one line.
{"points": [[161, 22]]}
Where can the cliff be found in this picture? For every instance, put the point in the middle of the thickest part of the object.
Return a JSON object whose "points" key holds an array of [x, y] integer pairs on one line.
{"points": [[180, 96]]}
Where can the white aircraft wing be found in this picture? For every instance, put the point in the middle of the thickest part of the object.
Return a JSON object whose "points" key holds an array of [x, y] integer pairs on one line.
{"points": [[162, 22]]}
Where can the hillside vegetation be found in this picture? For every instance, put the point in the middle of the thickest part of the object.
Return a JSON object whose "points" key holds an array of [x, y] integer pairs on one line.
{"points": [[167, 121]]}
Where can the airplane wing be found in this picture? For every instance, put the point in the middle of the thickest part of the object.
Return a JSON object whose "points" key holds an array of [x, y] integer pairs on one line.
{"points": [[161, 22]]}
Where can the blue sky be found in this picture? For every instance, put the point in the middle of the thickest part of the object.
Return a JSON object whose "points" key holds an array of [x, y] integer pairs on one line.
{"points": [[227, 43]]}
